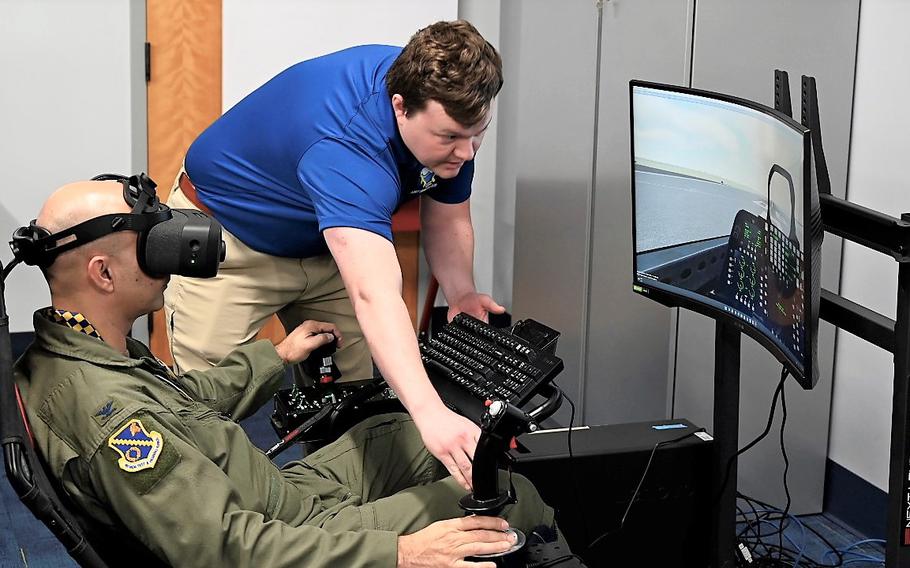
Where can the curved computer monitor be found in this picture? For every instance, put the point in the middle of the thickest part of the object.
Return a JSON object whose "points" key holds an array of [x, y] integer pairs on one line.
{"points": [[724, 220]]}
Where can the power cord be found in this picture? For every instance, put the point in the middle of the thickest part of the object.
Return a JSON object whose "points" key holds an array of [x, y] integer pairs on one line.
{"points": [[9, 268], [780, 520], [572, 468], [783, 451], [780, 387], [757, 549], [641, 482], [750, 526], [779, 392]]}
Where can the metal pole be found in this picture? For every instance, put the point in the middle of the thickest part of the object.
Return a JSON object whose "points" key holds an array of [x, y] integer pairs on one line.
{"points": [[727, 344], [897, 552]]}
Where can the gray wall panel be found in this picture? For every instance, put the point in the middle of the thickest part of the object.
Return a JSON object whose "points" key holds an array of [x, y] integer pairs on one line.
{"points": [[628, 336], [556, 82], [863, 379], [738, 45], [506, 154], [72, 105]]}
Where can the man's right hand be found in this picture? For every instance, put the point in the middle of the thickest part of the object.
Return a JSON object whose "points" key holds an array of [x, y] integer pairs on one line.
{"points": [[306, 337], [447, 543], [451, 438]]}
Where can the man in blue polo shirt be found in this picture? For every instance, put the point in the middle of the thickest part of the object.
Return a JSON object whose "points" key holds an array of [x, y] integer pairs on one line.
{"points": [[305, 174]]}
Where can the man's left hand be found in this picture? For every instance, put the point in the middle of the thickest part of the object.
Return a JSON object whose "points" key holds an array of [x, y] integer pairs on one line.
{"points": [[306, 337], [475, 304]]}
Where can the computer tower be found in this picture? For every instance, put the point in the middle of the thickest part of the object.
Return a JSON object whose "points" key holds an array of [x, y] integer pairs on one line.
{"points": [[668, 524]]}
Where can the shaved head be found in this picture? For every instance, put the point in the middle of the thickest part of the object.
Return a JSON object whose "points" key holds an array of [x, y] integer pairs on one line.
{"points": [[77, 202], [80, 201]]}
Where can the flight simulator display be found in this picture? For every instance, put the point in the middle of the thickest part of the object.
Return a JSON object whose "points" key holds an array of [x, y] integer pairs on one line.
{"points": [[720, 193]]}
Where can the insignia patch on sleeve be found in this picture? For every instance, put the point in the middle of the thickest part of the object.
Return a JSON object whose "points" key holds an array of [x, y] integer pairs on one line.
{"points": [[105, 412], [139, 449], [426, 181]]}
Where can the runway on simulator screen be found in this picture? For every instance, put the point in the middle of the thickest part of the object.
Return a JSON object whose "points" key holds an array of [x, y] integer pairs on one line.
{"points": [[663, 196]]}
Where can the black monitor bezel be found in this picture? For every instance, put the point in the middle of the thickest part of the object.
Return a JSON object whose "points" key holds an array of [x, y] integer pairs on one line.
{"points": [[806, 376]]}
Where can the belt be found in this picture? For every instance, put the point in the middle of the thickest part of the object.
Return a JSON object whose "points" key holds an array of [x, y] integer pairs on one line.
{"points": [[189, 190]]}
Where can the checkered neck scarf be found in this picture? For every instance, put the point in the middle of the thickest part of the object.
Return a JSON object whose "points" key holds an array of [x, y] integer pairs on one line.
{"points": [[73, 320]]}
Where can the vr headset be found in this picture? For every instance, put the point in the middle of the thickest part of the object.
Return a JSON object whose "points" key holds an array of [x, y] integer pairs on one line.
{"points": [[171, 241]]}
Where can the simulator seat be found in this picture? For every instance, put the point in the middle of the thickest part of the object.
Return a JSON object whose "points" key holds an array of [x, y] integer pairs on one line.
{"points": [[27, 473]]}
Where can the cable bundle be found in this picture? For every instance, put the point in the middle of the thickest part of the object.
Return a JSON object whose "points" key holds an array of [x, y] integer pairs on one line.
{"points": [[761, 524], [762, 530]]}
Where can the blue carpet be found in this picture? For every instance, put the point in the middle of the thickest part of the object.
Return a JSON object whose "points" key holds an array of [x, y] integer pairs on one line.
{"points": [[25, 541], [802, 543]]}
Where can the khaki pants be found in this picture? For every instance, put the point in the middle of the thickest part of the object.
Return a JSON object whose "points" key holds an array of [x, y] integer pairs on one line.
{"points": [[209, 317], [380, 476]]}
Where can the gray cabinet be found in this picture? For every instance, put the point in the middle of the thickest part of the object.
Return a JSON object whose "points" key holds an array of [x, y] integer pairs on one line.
{"points": [[564, 126], [566, 143], [627, 355], [553, 144]]}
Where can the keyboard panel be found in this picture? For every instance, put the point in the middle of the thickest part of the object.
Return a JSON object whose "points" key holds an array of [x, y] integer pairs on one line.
{"points": [[470, 362]]}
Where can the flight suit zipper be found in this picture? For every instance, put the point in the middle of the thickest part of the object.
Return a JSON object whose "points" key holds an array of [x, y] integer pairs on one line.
{"points": [[161, 372]]}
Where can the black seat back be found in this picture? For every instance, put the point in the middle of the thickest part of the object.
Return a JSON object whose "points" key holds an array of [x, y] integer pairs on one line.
{"points": [[24, 468]]}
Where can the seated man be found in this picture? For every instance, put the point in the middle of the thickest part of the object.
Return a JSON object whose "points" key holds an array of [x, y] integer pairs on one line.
{"points": [[157, 461]]}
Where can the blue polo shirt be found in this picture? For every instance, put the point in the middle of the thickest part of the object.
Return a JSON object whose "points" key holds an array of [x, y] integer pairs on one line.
{"points": [[315, 147]]}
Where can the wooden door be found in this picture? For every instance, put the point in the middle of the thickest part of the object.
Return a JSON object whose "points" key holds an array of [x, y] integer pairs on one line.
{"points": [[184, 97]]}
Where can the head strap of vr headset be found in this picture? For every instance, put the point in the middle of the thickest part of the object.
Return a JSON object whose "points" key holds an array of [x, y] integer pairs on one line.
{"points": [[36, 246]]}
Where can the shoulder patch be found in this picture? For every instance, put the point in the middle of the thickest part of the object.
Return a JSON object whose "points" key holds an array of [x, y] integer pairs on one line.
{"points": [[139, 449]]}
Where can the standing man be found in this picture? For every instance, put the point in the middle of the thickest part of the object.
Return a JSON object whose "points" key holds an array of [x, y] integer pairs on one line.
{"points": [[305, 173]]}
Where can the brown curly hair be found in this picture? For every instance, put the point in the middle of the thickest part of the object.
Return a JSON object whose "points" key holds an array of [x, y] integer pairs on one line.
{"points": [[452, 64]]}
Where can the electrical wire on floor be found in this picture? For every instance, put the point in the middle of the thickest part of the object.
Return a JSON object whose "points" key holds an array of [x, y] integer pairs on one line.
{"points": [[859, 556], [784, 555], [758, 526], [762, 524]]}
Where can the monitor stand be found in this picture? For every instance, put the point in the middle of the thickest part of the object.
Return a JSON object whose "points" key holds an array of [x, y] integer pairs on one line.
{"points": [[727, 348]]}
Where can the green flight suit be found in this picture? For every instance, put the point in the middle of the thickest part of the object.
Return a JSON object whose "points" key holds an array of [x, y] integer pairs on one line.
{"points": [[195, 491]]}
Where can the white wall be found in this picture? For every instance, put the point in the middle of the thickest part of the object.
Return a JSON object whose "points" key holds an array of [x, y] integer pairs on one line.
{"points": [[879, 149], [70, 108], [260, 39]]}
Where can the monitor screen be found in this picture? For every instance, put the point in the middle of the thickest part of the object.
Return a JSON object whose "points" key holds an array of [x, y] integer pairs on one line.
{"points": [[720, 194]]}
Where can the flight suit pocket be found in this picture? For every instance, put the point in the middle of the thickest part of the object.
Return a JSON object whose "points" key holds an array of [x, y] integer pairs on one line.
{"points": [[356, 437]]}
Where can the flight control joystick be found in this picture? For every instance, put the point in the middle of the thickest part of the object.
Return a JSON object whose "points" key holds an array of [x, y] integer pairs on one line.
{"points": [[500, 424]]}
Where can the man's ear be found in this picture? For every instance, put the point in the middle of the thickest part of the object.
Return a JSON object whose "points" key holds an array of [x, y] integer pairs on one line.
{"points": [[100, 273], [398, 106]]}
